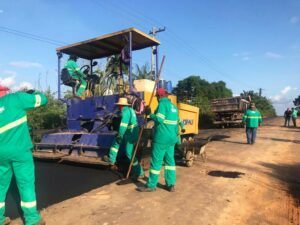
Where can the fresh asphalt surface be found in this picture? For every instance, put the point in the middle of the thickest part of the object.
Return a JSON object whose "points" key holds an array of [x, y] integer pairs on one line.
{"points": [[58, 182]]}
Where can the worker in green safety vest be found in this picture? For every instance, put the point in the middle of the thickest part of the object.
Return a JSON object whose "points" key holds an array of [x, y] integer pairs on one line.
{"points": [[294, 116], [252, 119], [76, 74], [165, 137], [16, 152], [127, 135]]}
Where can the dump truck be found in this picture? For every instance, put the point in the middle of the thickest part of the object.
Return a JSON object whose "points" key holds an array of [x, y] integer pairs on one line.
{"points": [[92, 122], [229, 111]]}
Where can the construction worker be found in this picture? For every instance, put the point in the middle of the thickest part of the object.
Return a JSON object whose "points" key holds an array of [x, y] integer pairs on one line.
{"points": [[294, 116], [128, 134], [76, 74], [164, 140], [287, 117], [252, 119], [16, 152]]}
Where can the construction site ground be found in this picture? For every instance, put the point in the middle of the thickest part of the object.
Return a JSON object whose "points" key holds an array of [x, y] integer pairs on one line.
{"points": [[238, 184]]}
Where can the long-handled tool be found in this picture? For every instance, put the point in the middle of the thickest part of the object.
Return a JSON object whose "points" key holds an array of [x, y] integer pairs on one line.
{"points": [[145, 118]]}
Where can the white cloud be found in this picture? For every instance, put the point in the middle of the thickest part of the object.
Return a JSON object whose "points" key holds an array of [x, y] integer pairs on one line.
{"points": [[23, 85], [10, 72], [272, 55], [285, 90], [25, 64], [245, 56], [294, 20], [282, 95], [10, 83], [7, 81]]}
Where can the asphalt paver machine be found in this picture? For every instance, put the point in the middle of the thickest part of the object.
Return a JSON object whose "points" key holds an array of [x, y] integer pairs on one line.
{"points": [[92, 123]]}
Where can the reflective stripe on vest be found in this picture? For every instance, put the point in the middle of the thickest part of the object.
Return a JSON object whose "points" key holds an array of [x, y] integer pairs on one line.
{"points": [[135, 163], [254, 117], [157, 172], [82, 86], [171, 122], [28, 204], [132, 126], [162, 116], [38, 101], [114, 149], [2, 204], [13, 124], [123, 124], [170, 167]]}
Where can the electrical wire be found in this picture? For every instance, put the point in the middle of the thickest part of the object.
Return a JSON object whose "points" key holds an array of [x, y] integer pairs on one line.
{"points": [[174, 37], [30, 36]]}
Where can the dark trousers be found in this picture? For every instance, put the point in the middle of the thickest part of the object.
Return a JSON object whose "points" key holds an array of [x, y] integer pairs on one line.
{"points": [[251, 134], [287, 121], [294, 121]]}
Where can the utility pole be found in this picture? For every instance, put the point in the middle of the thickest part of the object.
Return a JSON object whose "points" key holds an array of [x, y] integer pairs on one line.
{"points": [[260, 92], [153, 32]]}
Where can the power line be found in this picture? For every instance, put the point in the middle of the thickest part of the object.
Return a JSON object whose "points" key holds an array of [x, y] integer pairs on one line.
{"points": [[30, 36], [190, 49]]}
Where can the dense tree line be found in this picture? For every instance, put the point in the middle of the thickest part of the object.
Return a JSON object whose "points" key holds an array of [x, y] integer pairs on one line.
{"points": [[263, 104], [199, 92], [51, 116]]}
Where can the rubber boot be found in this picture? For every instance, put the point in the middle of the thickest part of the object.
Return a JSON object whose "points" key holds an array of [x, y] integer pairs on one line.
{"points": [[171, 188], [145, 189]]}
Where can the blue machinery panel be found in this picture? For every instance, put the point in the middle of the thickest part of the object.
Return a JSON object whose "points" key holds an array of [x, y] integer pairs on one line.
{"points": [[90, 141]]}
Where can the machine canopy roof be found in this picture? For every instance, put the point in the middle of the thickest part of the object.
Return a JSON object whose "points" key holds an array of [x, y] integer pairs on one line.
{"points": [[109, 44]]}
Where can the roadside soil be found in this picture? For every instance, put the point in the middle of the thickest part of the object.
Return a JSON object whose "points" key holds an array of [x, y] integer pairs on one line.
{"points": [[238, 184]]}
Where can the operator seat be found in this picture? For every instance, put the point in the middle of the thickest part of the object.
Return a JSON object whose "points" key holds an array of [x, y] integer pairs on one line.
{"points": [[68, 80]]}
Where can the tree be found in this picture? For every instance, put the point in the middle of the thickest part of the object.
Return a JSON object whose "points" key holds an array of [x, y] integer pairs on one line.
{"points": [[115, 69], [199, 92], [51, 116], [142, 72], [297, 101], [263, 104]]}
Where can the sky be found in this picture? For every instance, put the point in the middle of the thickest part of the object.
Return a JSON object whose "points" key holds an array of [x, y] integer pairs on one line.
{"points": [[249, 44]]}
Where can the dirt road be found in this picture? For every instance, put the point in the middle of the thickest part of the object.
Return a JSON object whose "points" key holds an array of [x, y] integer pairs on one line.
{"points": [[239, 184]]}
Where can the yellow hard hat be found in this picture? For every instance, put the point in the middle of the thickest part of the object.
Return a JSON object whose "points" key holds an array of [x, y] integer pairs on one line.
{"points": [[122, 101]]}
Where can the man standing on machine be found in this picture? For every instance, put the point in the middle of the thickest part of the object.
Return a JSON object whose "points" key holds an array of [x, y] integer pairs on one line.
{"points": [[76, 74]]}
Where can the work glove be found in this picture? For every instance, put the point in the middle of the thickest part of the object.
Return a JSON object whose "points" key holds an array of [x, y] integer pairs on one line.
{"points": [[119, 139], [183, 130], [147, 110]]}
